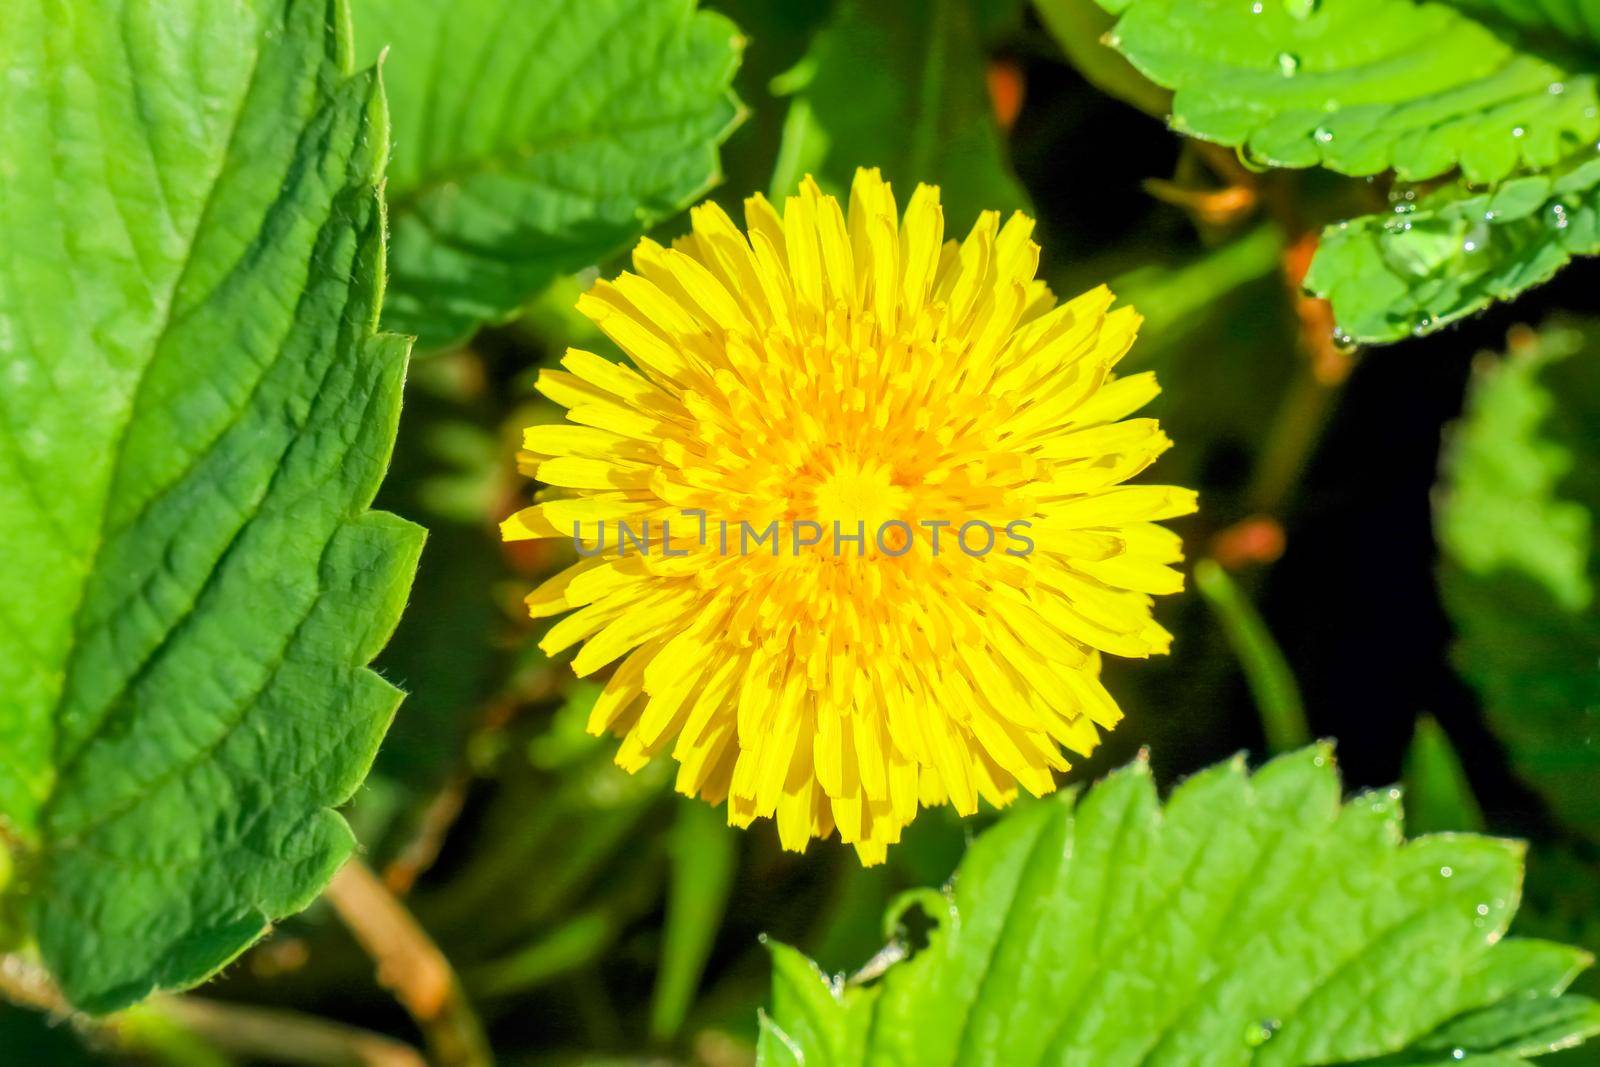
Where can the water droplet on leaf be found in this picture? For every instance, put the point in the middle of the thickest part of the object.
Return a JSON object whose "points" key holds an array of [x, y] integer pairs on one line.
{"points": [[1288, 64], [1258, 1034]]}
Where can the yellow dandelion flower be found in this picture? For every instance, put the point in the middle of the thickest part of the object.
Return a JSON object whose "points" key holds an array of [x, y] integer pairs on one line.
{"points": [[868, 533]]}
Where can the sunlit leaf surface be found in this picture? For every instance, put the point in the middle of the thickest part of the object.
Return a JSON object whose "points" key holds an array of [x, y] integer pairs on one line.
{"points": [[196, 414]]}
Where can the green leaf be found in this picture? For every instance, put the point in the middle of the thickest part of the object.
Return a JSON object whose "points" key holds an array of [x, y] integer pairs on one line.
{"points": [[1523, 1016], [1252, 920], [1521, 484], [1438, 795], [1456, 252], [536, 137], [1523, 1026], [1364, 86], [923, 115], [705, 854], [196, 414], [1490, 88]]}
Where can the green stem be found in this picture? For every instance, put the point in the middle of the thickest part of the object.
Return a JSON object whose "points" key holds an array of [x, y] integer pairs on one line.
{"points": [[1266, 671], [1298, 426]]}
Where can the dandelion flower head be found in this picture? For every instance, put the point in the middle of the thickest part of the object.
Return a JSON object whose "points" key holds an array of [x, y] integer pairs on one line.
{"points": [[825, 372]]}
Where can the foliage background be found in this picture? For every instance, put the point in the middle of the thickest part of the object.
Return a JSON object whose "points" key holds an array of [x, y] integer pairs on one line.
{"points": [[597, 918]]}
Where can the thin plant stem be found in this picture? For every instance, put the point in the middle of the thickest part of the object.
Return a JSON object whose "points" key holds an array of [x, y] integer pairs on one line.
{"points": [[271, 1036], [185, 1031], [1266, 671], [410, 966]]}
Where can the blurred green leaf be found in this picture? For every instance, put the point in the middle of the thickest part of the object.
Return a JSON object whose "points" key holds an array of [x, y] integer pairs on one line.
{"points": [[1542, 20], [1080, 27], [1438, 796], [1253, 919], [1561, 900], [998, 20], [704, 853], [1171, 297], [191, 581], [573, 943], [1277, 697], [567, 855], [536, 137], [898, 85], [1363, 86], [1520, 485], [1455, 252], [449, 473]]}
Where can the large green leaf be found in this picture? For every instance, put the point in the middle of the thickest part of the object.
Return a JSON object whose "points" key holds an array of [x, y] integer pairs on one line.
{"points": [[1516, 526], [1493, 89], [535, 137], [1364, 86], [195, 416], [1253, 920], [1456, 252], [898, 85]]}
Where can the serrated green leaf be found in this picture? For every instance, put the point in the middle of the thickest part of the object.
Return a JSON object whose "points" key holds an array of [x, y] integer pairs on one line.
{"points": [[922, 116], [1521, 1026], [1516, 529], [535, 137], [1252, 920], [1458, 251], [196, 414], [1524, 1013], [1364, 86]]}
